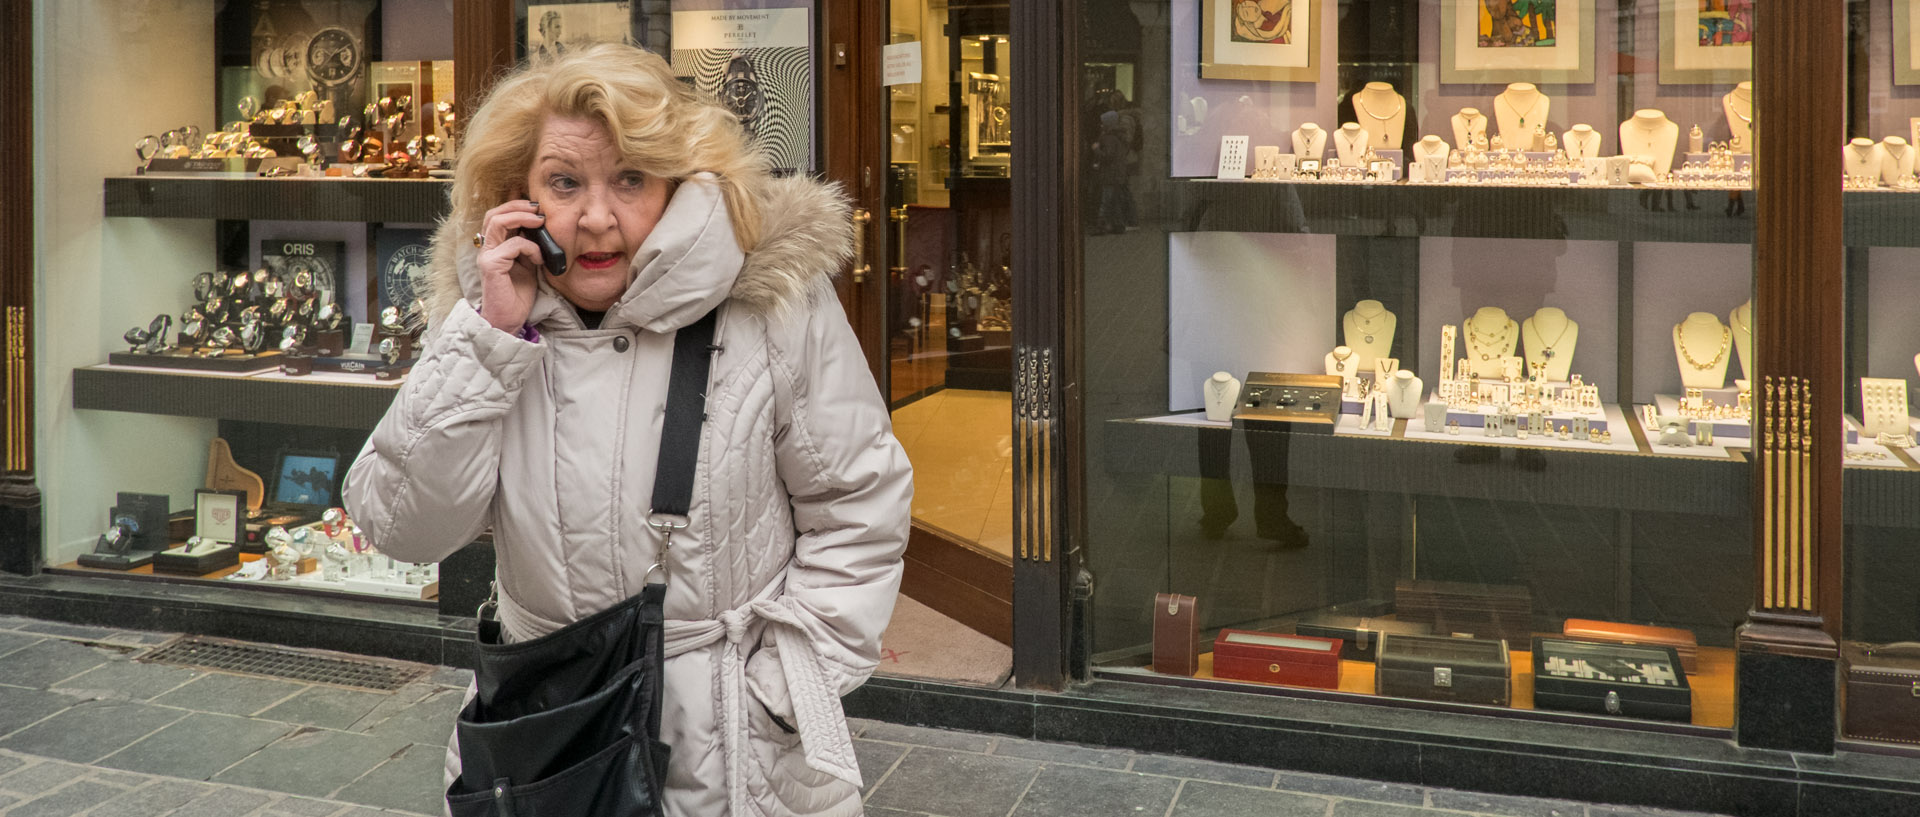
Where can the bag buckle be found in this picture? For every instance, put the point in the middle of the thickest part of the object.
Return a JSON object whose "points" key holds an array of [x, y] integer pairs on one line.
{"points": [[666, 524], [492, 600]]}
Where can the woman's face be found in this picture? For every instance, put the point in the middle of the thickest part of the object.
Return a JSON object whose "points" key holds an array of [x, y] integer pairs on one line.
{"points": [[597, 206]]}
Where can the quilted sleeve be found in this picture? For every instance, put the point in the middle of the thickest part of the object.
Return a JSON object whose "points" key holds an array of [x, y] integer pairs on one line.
{"points": [[851, 489], [421, 487]]}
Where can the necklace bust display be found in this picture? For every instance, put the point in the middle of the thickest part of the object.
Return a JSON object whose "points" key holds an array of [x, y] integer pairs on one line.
{"points": [[1491, 338], [1739, 107], [1864, 159], [1219, 393], [1519, 109], [1368, 328], [1350, 144], [1309, 141], [1549, 337], [1702, 346], [1582, 142], [1468, 126], [1899, 164], [1383, 112], [1649, 136]]}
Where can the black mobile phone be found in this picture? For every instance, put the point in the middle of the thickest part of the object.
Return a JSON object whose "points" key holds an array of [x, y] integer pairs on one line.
{"points": [[550, 252]]}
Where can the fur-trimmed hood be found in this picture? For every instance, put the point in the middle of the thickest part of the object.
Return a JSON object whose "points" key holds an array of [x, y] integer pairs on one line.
{"points": [[691, 261]]}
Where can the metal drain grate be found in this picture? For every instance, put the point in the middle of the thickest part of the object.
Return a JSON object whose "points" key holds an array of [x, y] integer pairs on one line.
{"points": [[279, 662]]}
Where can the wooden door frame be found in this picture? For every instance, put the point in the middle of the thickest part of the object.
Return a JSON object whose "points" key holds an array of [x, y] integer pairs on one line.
{"points": [[21, 548], [853, 154]]}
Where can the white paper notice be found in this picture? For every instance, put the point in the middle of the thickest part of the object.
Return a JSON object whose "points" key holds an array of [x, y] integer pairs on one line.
{"points": [[900, 63]]}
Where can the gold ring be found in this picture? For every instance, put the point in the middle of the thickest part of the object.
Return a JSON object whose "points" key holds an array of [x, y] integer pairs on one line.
{"points": [[479, 239]]}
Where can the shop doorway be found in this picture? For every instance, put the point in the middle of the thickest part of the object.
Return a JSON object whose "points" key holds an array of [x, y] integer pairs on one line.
{"points": [[931, 295]]}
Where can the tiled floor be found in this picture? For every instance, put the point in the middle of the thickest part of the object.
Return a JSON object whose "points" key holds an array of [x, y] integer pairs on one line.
{"points": [[87, 729], [961, 446]]}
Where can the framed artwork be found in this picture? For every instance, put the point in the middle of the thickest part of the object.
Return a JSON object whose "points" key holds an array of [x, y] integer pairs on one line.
{"points": [[1706, 41], [759, 64], [1547, 42], [306, 478], [1906, 62], [1275, 40], [556, 28]]}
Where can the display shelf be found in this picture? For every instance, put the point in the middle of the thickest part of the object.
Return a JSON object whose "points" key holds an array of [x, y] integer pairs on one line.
{"points": [[1630, 475], [305, 584], [268, 398], [240, 198], [1873, 218]]}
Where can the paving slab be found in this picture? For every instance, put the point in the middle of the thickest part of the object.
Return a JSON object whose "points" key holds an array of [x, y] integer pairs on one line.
{"points": [[962, 783], [875, 759], [1203, 770], [66, 801], [428, 721], [1401, 793], [331, 707], [1199, 799], [1503, 805], [409, 782], [21, 707], [198, 746], [49, 660], [156, 797], [90, 730], [131, 680], [230, 694], [313, 762], [1062, 790]]}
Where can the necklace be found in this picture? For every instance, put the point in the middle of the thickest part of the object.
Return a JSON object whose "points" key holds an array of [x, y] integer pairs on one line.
{"points": [[1484, 343], [1734, 97], [1746, 330], [1364, 323], [1516, 110], [1546, 349], [1396, 111], [1340, 361], [1352, 145], [1680, 342]]}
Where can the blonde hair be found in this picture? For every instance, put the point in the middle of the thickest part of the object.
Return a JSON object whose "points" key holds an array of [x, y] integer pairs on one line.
{"points": [[662, 126]]}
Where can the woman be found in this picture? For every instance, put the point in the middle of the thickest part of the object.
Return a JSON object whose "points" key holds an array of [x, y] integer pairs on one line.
{"points": [[536, 409]]}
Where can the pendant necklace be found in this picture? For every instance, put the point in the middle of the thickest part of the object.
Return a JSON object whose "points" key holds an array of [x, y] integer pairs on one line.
{"points": [[1365, 324], [1546, 349], [1680, 342], [1516, 109], [1340, 362]]}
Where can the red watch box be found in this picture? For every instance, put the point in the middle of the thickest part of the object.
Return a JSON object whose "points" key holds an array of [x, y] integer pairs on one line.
{"points": [[1274, 658]]}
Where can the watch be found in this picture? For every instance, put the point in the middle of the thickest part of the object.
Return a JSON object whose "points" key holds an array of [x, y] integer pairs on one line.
{"points": [[333, 57]]}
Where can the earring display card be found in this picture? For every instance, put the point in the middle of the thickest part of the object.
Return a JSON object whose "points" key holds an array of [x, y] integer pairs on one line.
{"points": [[1629, 680], [1883, 406], [1233, 158]]}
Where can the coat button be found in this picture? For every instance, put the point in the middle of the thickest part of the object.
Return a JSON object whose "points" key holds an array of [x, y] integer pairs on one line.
{"points": [[621, 343]]}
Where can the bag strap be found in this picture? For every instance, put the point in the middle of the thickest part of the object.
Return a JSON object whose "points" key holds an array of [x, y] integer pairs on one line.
{"points": [[693, 352]]}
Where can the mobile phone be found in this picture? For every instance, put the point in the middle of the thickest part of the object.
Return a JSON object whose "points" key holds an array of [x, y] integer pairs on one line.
{"points": [[550, 252]]}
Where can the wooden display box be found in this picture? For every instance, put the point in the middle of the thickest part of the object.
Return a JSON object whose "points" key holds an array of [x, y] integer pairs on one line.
{"points": [[1359, 635], [1273, 658], [1634, 681]]}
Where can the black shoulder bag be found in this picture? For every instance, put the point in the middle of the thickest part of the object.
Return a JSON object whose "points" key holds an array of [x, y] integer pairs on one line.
{"points": [[568, 724]]}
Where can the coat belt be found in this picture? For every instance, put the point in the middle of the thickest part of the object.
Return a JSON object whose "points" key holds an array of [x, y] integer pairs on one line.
{"points": [[822, 724]]}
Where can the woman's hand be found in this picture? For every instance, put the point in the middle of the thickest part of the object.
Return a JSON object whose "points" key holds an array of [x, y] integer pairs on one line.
{"points": [[509, 265]]}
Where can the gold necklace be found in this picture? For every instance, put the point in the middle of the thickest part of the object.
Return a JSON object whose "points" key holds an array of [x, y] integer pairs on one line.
{"points": [[1680, 342], [1546, 349], [1396, 111], [1474, 338], [1516, 109]]}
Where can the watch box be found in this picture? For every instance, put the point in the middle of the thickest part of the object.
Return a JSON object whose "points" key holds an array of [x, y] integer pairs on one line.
{"points": [[210, 559], [1276, 658], [1359, 635], [1176, 634], [1436, 668], [1883, 691], [1613, 632], [1630, 680], [1494, 611]]}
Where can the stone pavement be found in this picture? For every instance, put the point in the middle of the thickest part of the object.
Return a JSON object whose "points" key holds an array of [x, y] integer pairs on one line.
{"points": [[88, 728]]}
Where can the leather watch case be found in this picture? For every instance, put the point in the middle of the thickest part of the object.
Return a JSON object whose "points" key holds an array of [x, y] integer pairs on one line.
{"points": [[1436, 668], [1883, 691], [1613, 632], [1176, 634]]}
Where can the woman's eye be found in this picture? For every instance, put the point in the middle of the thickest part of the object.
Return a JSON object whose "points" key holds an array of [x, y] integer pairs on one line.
{"points": [[562, 183], [633, 179]]}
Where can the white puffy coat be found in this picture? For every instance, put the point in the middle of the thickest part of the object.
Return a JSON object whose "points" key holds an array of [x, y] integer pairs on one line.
{"points": [[782, 583]]}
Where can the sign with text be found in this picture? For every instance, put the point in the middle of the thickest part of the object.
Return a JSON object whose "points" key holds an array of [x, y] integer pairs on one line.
{"points": [[900, 63]]}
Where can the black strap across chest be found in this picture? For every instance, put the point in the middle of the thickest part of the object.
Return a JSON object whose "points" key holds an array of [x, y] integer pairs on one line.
{"points": [[686, 410]]}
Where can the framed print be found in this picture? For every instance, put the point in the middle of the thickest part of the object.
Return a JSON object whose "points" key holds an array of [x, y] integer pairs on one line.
{"points": [[759, 64], [1906, 62], [1495, 41], [219, 515], [1275, 40], [556, 28], [1705, 41]]}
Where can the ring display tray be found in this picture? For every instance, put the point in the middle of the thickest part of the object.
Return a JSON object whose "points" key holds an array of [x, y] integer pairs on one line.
{"points": [[1629, 680], [218, 363]]}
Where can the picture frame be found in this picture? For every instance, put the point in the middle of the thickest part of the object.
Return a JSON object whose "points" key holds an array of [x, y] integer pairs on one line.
{"points": [[1529, 47], [1906, 61], [1685, 56], [1229, 50], [303, 477], [219, 516]]}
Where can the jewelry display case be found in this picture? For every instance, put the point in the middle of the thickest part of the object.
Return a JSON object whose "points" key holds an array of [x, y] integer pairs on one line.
{"points": [[1558, 276]]}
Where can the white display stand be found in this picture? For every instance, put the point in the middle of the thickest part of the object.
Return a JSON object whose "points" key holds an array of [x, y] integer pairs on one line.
{"points": [[1702, 348], [1219, 394], [1518, 111], [1233, 158], [1351, 143], [1738, 104], [1548, 340], [1430, 147], [1368, 329], [1405, 392], [1469, 126], [1383, 113], [1581, 142], [1343, 362], [1650, 137], [1899, 164], [1863, 158], [1309, 141]]}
